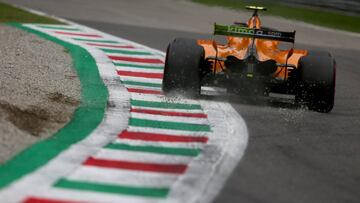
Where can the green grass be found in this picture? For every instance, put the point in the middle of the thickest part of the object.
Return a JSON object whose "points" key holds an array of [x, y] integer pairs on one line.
{"points": [[309, 15], [9, 13]]}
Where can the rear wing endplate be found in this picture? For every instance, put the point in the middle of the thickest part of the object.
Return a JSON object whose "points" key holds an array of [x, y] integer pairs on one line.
{"points": [[240, 31]]}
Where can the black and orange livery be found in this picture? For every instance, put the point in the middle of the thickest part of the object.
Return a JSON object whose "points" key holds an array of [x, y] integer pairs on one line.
{"points": [[251, 60]]}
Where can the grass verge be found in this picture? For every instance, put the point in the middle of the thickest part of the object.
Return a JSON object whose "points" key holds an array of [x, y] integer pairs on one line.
{"points": [[10, 13], [309, 15]]}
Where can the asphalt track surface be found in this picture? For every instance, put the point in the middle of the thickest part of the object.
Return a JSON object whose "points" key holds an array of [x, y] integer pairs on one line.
{"points": [[293, 155]]}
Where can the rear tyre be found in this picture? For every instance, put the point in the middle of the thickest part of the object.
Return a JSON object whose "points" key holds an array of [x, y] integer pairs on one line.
{"points": [[182, 73], [317, 73]]}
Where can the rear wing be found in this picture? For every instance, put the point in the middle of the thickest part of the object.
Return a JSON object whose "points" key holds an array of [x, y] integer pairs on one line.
{"points": [[240, 31]]}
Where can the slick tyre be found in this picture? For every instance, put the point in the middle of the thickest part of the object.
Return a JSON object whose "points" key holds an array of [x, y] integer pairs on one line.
{"points": [[182, 73], [317, 73]]}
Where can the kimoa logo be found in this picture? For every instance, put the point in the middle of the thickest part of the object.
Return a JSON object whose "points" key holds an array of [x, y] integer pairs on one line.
{"points": [[244, 30]]}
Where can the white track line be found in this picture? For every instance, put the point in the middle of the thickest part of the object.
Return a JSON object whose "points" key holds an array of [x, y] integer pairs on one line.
{"points": [[141, 70], [135, 63], [165, 99], [167, 131], [145, 157], [170, 110], [131, 55], [188, 145], [122, 177], [162, 118], [141, 79], [143, 87]]}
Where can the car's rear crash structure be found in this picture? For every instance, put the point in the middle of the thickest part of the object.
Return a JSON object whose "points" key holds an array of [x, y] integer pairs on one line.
{"points": [[251, 61]]}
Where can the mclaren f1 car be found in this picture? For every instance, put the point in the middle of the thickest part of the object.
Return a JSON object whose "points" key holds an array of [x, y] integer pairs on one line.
{"points": [[251, 60]]}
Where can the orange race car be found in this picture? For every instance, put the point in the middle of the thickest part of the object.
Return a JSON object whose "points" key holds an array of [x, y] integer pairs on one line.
{"points": [[251, 61]]}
